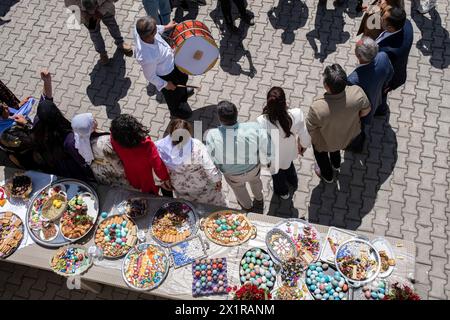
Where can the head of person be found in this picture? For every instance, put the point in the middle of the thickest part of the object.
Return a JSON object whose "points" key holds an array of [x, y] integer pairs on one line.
{"points": [[393, 19], [146, 28], [276, 109], [83, 125], [180, 131], [227, 112], [334, 79], [89, 5], [127, 131], [50, 131], [392, 3], [366, 50]]}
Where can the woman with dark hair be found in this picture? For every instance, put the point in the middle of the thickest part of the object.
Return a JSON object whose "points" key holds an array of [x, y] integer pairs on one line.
{"points": [[193, 175], [54, 141], [289, 136], [139, 155]]}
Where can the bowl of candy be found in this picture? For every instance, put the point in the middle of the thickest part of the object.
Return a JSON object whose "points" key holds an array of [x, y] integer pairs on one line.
{"points": [[358, 262]]}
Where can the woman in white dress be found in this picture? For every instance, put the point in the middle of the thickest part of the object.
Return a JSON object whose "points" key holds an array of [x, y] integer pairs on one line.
{"points": [[193, 175], [290, 139]]}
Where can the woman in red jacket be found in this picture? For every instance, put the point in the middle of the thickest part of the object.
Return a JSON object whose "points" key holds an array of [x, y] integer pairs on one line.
{"points": [[139, 155]]}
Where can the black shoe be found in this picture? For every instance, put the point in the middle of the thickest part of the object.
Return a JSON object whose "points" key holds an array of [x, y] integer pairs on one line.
{"points": [[248, 19], [258, 206], [190, 92], [184, 111]]}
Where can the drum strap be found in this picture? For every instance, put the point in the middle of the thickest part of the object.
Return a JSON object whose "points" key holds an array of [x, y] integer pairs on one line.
{"points": [[181, 33]]}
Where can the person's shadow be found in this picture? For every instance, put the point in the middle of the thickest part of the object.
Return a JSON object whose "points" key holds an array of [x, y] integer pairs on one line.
{"points": [[191, 14], [5, 7], [328, 30], [231, 47], [109, 84], [344, 204], [289, 16], [435, 41]]}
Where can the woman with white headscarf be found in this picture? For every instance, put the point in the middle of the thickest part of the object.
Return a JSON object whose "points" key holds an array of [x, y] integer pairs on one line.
{"points": [[193, 175], [95, 148]]}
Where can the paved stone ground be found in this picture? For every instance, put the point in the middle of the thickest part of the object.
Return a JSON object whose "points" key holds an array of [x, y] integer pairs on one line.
{"points": [[399, 187]]}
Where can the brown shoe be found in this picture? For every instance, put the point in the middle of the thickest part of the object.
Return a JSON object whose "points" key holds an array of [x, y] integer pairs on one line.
{"points": [[104, 60], [126, 48]]}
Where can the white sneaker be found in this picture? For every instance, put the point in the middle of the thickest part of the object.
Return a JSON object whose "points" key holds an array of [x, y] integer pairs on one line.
{"points": [[285, 196]]}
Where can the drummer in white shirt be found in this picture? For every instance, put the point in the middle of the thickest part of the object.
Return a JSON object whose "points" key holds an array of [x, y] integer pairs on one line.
{"points": [[156, 58]]}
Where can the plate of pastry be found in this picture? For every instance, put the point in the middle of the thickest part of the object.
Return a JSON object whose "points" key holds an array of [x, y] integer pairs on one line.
{"points": [[134, 207], [71, 260], [387, 256], [11, 233], [228, 228], [174, 222]]}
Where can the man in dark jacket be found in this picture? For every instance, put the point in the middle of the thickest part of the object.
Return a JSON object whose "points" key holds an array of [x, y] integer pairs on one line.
{"points": [[373, 74], [396, 40]]}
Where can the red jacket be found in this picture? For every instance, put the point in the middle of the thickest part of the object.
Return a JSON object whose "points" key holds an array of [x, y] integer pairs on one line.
{"points": [[139, 163]]}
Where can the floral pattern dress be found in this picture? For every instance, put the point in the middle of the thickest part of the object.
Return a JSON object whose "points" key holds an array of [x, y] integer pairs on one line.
{"points": [[195, 180], [107, 167]]}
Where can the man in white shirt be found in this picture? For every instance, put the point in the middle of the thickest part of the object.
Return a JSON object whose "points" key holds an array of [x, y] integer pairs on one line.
{"points": [[156, 58]]}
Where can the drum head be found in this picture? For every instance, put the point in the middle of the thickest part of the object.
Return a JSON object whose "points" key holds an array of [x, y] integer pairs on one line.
{"points": [[184, 57]]}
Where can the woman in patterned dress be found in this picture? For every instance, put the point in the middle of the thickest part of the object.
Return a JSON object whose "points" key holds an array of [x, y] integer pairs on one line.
{"points": [[193, 175]]}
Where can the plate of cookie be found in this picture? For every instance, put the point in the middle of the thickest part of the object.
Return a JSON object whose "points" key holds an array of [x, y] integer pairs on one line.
{"points": [[70, 260], [145, 267], [62, 213], [116, 235], [134, 207], [228, 228], [306, 238], [387, 256], [11, 233], [174, 222]]}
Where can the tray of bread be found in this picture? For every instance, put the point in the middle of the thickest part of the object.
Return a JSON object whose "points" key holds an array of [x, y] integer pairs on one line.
{"points": [[11, 233]]}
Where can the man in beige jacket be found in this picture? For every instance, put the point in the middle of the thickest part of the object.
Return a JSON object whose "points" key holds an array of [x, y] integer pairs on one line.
{"points": [[333, 120], [90, 14]]}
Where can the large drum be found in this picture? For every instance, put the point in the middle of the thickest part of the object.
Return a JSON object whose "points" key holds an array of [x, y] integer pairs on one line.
{"points": [[195, 49]]}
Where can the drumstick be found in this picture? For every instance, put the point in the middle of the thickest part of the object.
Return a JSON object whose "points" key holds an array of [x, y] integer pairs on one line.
{"points": [[188, 86]]}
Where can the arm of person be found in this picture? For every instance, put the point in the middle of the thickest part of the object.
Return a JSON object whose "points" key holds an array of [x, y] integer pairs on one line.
{"points": [[149, 70], [313, 123], [172, 24], [158, 165], [299, 128], [365, 105], [211, 170], [47, 80]]}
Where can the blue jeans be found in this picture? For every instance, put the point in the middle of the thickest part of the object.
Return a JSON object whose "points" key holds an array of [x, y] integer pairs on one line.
{"points": [[159, 10]]}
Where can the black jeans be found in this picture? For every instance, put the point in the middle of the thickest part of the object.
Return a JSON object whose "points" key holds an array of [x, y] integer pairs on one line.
{"points": [[324, 161], [282, 178], [175, 97], [226, 9]]}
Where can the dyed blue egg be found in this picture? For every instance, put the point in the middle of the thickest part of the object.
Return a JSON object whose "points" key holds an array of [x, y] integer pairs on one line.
{"points": [[380, 290], [319, 269], [203, 267], [313, 287], [381, 284], [317, 291], [337, 277], [106, 231], [374, 294], [312, 267], [341, 295], [380, 296], [124, 223], [308, 273], [248, 259], [118, 240], [269, 284], [214, 271], [197, 268], [328, 288], [104, 214], [198, 284], [248, 254], [308, 281], [113, 225], [320, 274], [336, 298], [326, 295], [318, 296], [322, 280]]}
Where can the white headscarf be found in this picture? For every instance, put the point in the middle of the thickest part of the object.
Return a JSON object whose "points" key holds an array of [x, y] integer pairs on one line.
{"points": [[174, 156], [83, 126]]}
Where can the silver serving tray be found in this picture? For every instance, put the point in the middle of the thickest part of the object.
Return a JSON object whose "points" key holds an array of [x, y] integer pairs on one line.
{"points": [[72, 188], [192, 222], [141, 247]]}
